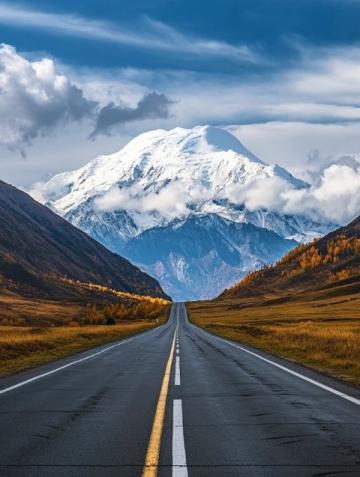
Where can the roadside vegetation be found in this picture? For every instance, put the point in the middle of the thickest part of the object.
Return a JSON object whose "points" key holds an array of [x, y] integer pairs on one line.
{"points": [[22, 347], [36, 331], [106, 290], [321, 330]]}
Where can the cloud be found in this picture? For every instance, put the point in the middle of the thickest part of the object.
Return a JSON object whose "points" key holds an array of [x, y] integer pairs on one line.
{"points": [[320, 87], [154, 35], [261, 193], [336, 196], [35, 98], [170, 202], [318, 163], [282, 117], [151, 106]]}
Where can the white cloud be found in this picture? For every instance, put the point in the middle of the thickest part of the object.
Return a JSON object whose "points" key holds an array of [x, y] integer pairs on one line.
{"points": [[35, 98], [335, 197], [261, 193], [172, 201], [154, 35]]}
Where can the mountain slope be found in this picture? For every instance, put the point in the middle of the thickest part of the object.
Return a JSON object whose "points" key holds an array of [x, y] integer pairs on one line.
{"points": [[217, 252], [162, 179], [36, 243], [331, 261]]}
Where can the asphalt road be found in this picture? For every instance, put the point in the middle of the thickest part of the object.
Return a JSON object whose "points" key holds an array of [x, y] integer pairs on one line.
{"points": [[229, 411]]}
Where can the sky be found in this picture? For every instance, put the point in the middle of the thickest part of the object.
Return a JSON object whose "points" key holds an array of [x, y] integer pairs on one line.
{"points": [[80, 79]]}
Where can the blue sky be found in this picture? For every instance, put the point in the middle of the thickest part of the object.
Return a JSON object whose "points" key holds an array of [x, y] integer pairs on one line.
{"points": [[282, 75], [265, 26]]}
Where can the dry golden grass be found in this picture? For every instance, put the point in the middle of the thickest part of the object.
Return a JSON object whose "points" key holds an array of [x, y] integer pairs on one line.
{"points": [[35, 331], [319, 329], [22, 347], [18, 310]]}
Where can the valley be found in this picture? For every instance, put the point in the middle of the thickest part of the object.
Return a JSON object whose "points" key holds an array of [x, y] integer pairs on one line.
{"points": [[89, 341]]}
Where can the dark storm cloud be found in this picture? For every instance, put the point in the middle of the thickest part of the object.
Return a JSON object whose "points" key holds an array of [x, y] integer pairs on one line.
{"points": [[151, 106]]}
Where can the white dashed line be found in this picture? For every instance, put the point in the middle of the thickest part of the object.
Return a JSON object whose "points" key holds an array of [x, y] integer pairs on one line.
{"points": [[179, 468], [177, 371]]}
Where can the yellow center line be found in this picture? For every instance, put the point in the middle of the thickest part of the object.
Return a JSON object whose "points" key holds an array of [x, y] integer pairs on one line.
{"points": [[153, 451]]}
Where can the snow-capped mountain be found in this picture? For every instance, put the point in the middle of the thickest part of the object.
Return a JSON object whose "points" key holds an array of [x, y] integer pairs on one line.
{"points": [[171, 202]]}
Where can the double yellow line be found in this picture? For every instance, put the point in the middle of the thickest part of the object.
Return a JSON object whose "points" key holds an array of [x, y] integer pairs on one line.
{"points": [[153, 452]]}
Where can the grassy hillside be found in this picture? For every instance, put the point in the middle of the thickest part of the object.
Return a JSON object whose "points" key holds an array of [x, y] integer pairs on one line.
{"points": [[37, 246], [325, 262], [306, 307]]}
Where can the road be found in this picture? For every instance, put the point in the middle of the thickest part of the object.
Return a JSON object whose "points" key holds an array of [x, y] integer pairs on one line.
{"points": [[177, 401]]}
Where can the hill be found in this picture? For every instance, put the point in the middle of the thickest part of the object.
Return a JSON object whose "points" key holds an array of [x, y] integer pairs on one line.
{"points": [[324, 263], [37, 248]]}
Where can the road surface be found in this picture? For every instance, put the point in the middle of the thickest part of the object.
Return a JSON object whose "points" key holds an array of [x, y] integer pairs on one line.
{"points": [[177, 401]]}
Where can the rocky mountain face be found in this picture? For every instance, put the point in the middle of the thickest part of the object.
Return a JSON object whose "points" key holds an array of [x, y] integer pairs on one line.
{"points": [[202, 255], [171, 202]]}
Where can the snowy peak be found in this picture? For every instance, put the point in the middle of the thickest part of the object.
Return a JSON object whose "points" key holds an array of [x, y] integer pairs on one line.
{"points": [[200, 140], [198, 164]]}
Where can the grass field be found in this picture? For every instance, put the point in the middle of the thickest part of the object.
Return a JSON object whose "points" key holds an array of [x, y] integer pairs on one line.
{"points": [[18, 310], [319, 329], [34, 331], [24, 347]]}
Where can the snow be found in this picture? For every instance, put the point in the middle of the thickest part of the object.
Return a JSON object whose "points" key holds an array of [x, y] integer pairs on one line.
{"points": [[163, 175]]}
